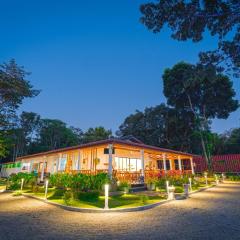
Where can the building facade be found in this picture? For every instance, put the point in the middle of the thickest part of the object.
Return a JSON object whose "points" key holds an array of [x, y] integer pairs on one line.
{"points": [[126, 159]]}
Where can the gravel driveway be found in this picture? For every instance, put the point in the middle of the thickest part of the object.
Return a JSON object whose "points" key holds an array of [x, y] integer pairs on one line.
{"points": [[212, 214]]}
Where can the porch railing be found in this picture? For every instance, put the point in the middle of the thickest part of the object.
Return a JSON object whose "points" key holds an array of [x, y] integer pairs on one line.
{"points": [[135, 176]]}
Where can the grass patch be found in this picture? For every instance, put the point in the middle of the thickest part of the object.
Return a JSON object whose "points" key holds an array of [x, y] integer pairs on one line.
{"points": [[120, 201], [123, 201]]}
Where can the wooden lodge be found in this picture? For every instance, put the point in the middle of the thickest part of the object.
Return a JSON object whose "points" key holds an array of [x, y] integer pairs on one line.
{"points": [[126, 159]]}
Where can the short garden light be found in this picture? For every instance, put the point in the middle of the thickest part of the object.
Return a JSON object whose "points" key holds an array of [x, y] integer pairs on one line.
{"points": [[205, 175], [46, 189], [216, 179], [167, 187], [190, 183], [22, 181], [106, 196]]}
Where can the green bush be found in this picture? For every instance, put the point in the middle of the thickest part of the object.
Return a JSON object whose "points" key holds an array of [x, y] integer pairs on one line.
{"points": [[144, 199], [61, 180], [234, 178], [123, 186], [90, 196], [17, 193], [178, 189], [79, 182], [57, 193], [35, 189], [14, 181], [67, 196]]}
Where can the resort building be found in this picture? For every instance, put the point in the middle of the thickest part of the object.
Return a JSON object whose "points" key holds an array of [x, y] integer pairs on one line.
{"points": [[126, 159]]}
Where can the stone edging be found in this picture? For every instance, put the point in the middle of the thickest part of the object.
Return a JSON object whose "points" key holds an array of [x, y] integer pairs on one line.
{"points": [[132, 209]]}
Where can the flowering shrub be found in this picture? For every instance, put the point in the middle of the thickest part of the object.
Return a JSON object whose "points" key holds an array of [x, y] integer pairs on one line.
{"points": [[79, 182]]}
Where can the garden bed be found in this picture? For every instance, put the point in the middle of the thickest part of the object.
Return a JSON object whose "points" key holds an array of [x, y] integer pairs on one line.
{"points": [[118, 201]]}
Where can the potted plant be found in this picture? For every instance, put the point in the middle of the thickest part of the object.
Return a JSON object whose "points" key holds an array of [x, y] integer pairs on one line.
{"points": [[124, 186], [151, 183]]}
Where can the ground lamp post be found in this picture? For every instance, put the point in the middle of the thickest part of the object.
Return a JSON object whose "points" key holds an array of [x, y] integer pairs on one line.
{"points": [[205, 175], [216, 179], [106, 196], [186, 190], [22, 181], [190, 183], [167, 187], [223, 177], [171, 193], [46, 189]]}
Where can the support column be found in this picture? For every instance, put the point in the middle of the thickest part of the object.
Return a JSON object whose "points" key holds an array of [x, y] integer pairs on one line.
{"points": [[164, 162], [179, 163], [43, 167], [52, 167], [30, 168], [171, 164], [192, 167], [79, 161], [110, 152], [142, 165]]}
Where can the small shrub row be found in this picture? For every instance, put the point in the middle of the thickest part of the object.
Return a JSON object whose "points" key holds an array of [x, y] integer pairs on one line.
{"points": [[14, 181], [79, 182]]}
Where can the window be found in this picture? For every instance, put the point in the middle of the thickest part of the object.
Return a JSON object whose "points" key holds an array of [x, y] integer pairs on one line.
{"points": [[168, 164], [63, 161], [160, 164], [176, 164], [128, 164]]}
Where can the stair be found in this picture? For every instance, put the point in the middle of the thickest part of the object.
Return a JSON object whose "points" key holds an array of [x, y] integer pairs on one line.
{"points": [[138, 188]]}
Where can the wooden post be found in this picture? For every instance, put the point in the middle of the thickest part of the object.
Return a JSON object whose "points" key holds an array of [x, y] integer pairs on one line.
{"points": [[164, 162], [110, 152], [179, 163], [171, 164], [58, 161], [192, 167], [43, 167], [79, 161]]}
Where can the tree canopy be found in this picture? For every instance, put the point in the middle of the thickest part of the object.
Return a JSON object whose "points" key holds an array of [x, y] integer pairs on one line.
{"points": [[14, 88], [96, 134], [189, 20], [161, 126], [201, 91]]}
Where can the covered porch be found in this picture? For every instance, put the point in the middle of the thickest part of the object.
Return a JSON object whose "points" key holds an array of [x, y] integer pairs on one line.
{"points": [[123, 160]]}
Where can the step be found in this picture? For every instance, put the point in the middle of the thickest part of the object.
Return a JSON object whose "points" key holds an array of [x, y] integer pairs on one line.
{"points": [[137, 185], [138, 189]]}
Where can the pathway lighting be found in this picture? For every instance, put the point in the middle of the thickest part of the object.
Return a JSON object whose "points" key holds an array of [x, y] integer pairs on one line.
{"points": [[22, 181], [106, 196], [190, 183], [46, 189]]}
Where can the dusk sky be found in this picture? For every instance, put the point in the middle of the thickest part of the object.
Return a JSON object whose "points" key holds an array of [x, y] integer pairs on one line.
{"points": [[93, 60]]}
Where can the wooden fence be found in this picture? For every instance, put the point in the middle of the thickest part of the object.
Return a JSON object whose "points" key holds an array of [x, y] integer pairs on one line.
{"points": [[220, 163]]}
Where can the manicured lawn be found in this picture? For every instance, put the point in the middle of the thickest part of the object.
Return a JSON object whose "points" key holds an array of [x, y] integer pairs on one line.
{"points": [[121, 201]]}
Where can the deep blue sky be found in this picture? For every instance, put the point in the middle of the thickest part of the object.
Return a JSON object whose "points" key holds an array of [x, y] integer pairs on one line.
{"points": [[93, 60]]}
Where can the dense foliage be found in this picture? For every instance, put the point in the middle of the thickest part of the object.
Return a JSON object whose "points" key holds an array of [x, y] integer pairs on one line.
{"points": [[14, 181], [192, 19], [14, 88], [202, 92], [79, 182]]}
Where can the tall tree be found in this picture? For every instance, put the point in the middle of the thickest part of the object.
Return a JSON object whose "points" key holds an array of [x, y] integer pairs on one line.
{"points": [[203, 92], [14, 87], [53, 134], [96, 134], [190, 19], [161, 126], [229, 142]]}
